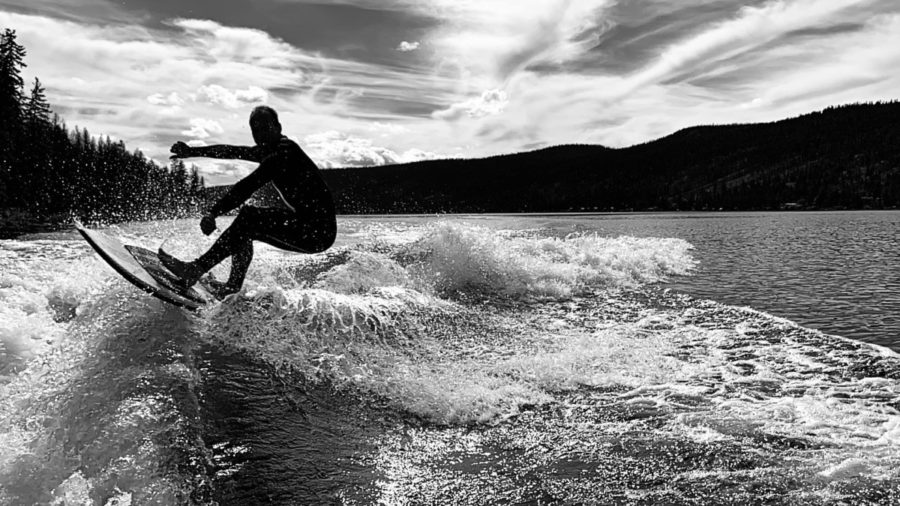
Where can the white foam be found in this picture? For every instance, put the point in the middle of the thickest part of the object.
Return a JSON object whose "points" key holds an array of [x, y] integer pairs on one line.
{"points": [[623, 355], [849, 468], [364, 271], [457, 257], [39, 294]]}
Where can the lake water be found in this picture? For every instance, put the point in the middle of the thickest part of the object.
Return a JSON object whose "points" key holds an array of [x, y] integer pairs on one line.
{"points": [[838, 272], [568, 359]]}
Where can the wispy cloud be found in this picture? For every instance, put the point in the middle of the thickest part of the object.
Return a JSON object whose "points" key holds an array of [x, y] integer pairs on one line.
{"points": [[199, 79], [497, 76], [711, 75]]}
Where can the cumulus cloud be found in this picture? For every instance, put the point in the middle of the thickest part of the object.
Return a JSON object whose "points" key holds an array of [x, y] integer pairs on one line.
{"points": [[490, 102], [172, 99], [337, 149], [232, 99], [203, 128], [408, 46]]}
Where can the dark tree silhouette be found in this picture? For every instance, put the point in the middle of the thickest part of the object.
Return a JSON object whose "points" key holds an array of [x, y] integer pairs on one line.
{"points": [[12, 57], [37, 110], [49, 174], [12, 61], [844, 157]]}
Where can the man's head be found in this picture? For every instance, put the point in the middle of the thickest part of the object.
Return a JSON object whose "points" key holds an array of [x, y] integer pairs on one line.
{"points": [[264, 125]]}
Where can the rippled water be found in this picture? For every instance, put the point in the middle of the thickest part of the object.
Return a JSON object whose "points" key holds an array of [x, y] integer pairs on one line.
{"points": [[640, 359], [838, 272]]}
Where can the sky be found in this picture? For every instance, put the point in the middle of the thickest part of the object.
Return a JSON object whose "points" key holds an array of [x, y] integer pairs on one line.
{"points": [[370, 82]]}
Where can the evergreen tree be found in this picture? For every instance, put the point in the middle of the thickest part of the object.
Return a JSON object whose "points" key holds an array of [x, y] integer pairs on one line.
{"points": [[37, 110], [11, 63], [12, 60]]}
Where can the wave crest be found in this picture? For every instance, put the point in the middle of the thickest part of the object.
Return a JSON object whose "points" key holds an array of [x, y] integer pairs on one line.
{"points": [[463, 258]]}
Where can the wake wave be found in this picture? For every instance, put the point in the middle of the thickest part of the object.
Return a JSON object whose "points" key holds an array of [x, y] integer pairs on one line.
{"points": [[458, 258], [385, 318], [453, 324]]}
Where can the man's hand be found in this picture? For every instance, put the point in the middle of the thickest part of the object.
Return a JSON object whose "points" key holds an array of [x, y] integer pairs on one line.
{"points": [[207, 224], [181, 150]]}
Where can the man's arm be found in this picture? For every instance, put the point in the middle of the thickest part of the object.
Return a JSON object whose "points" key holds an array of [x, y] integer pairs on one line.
{"points": [[243, 189], [221, 151], [224, 151]]}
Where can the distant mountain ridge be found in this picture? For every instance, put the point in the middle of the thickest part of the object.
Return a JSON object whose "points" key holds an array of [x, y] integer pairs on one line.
{"points": [[845, 157]]}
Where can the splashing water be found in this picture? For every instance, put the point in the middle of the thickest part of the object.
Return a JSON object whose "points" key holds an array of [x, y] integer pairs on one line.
{"points": [[436, 362]]}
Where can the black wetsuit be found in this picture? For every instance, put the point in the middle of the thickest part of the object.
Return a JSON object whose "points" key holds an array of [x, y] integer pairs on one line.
{"points": [[306, 225]]}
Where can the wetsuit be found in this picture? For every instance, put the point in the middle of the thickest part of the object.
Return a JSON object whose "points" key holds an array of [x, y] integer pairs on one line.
{"points": [[306, 225]]}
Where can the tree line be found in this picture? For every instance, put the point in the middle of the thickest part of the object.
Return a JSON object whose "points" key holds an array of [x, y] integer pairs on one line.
{"points": [[49, 173], [845, 157]]}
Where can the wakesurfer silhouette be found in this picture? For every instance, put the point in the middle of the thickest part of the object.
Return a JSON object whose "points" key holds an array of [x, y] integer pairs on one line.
{"points": [[306, 225]]}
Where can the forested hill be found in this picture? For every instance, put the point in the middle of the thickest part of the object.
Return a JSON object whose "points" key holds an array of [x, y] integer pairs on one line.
{"points": [[50, 174], [844, 157]]}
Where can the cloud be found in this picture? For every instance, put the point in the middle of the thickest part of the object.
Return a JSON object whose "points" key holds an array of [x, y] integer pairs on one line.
{"points": [[336, 149], [490, 102], [203, 128], [172, 99], [752, 28], [407, 46], [122, 68], [530, 72], [710, 74], [217, 172], [233, 99], [490, 41], [384, 129]]}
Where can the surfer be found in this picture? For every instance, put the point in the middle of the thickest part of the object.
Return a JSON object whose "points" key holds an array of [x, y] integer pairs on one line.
{"points": [[306, 225]]}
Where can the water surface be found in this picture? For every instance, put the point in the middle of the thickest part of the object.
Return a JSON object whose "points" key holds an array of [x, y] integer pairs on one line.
{"points": [[640, 359]]}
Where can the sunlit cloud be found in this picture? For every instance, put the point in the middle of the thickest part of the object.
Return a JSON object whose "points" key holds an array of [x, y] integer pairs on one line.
{"points": [[170, 99], [232, 99], [129, 69], [338, 149], [490, 102], [497, 76], [226, 171], [203, 128]]}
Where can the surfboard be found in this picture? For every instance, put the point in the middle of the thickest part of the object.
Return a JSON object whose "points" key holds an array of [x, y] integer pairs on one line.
{"points": [[142, 268]]}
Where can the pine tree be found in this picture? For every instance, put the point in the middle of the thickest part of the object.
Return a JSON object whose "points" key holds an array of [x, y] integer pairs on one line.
{"points": [[49, 170], [37, 110], [12, 56], [11, 63], [196, 181]]}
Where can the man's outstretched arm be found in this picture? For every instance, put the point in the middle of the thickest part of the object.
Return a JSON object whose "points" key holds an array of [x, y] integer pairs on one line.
{"points": [[221, 151]]}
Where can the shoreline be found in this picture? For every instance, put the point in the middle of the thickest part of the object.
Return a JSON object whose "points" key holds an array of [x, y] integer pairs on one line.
{"points": [[15, 224]]}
